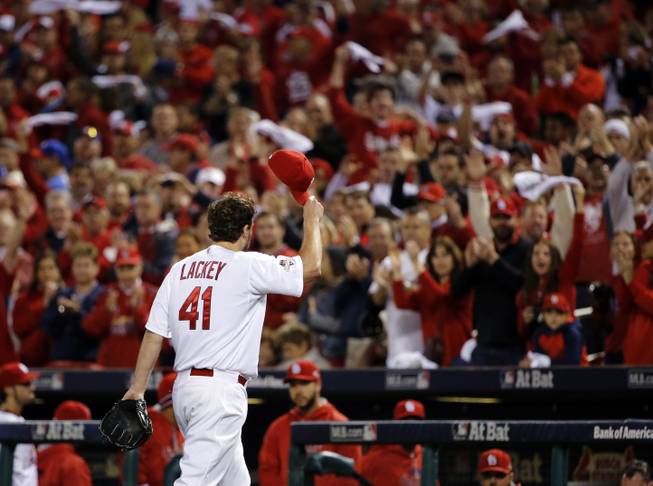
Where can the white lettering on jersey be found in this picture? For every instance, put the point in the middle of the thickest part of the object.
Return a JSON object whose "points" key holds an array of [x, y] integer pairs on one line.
{"points": [[375, 143], [212, 304]]}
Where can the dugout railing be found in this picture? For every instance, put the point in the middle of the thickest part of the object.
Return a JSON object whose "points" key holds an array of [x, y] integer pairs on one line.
{"points": [[57, 431], [434, 434]]}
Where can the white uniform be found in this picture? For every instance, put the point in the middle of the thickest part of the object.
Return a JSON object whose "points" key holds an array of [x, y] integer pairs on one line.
{"points": [[211, 305], [25, 472]]}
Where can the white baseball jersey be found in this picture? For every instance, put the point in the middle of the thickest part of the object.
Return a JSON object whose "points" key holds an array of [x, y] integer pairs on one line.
{"points": [[25, 472], [212, 306]]}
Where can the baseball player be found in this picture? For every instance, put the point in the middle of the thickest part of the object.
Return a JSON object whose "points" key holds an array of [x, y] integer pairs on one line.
{"points": [[495, 468], [16, 392], [211, 305]]}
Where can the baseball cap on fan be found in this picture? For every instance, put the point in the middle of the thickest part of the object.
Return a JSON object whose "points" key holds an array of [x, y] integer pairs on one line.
{"points": [[503, 207], [295, 171], [72, 410], [303, 370]]}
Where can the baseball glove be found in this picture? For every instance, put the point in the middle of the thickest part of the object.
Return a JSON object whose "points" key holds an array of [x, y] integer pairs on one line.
{"points": [[127, 425]]}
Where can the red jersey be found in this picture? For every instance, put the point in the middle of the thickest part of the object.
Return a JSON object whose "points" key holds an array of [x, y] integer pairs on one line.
{"points": [[273, 456], [383, 33], [588, 86], [60, 465], [365, 138], [595, 264], [637, 342], [523, 107], [165, 443], [392, 465]]}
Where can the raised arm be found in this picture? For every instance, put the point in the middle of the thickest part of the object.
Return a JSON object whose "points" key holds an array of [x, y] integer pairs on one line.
{"points": [[311, 250]]}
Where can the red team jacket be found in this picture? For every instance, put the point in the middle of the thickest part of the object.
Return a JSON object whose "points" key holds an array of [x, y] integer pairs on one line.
{"points": [[165, 443], [638, 303], [392, 465], [273, 456], [59, 465], [120, 343]]}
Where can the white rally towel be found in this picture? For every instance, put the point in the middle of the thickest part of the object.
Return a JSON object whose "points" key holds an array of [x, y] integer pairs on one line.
{"points": [[531, 185], [107, 81], [55, 118], [360, 53], [515, 22], [97, 7], [283, 137], [230, 22]]}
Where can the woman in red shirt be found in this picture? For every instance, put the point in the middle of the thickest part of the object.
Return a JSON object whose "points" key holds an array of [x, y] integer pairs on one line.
{"points": [[30, 304], [548, 272], [446, 322]]}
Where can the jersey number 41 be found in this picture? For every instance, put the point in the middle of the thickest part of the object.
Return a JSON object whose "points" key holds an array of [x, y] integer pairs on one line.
{"points": [[188, 311]]}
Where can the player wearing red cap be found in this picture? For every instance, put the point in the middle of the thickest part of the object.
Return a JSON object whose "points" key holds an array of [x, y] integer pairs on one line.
{"points": [[495, 468], [16, 392], [166, 441], [120, 315], [211, 306], [59, 464], [304, 387], [393, 464]]}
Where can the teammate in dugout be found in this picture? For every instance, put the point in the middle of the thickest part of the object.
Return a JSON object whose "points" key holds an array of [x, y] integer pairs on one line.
{"points": [[211, 305], [495, 469], [304, 387], [17, 392]]}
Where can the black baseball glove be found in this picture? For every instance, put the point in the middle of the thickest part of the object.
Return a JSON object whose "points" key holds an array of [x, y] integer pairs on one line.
{"points": [[127, 425]]}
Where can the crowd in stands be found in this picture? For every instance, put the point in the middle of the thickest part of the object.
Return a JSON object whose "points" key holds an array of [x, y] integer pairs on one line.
{"points": [[486, 168]]}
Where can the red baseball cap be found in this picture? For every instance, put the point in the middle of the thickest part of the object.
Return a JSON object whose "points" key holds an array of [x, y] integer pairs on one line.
{"points": [[303, 370], [164, 391], [503, 207], [183, 141], [557, 301], [15, 373], [128, 256], [72, 410], [495, 460], [295, 171], [96, 201], [408, 409], [432, 191]]}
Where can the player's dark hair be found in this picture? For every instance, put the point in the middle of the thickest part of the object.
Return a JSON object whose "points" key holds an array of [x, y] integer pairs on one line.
{"points": [[228, 215]]}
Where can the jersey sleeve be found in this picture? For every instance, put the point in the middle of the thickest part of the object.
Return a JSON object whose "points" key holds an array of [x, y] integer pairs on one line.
{"points": [[276, 275], [157, 322]]}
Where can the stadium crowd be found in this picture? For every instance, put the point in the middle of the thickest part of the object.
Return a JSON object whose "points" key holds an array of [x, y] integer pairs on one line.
{"points": [[486, 167]]}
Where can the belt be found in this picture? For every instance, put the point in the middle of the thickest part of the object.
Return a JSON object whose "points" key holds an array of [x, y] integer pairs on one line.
{"points": [[209, 372]]}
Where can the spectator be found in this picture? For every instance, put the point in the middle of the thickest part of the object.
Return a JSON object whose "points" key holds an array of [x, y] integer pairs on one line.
{"points": [[446, 323], [164, 123], [62, 319], [403, 322], [52, 163], [388, 465], [568, 84], [166, 441], [561, 337], [34, 348], [119, 316], [494, 273], [269, 233], [366, 134], [500, 86], [125, 148], [304, 387], [118, 203], [296, 343], [187, 244], [495, 468], [268, 350], [328, 144], [155, 238], [88, 146], [59, 464], [16, 393]]}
